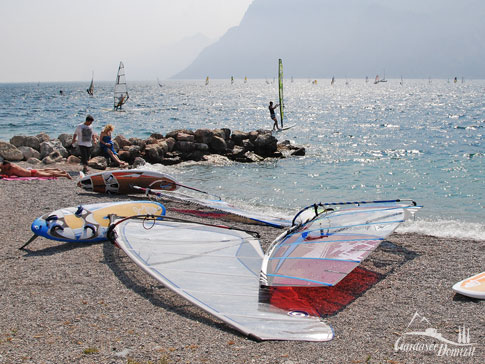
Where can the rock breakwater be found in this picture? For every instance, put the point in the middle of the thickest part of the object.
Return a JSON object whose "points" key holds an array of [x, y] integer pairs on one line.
{"points": [[175, 147]]}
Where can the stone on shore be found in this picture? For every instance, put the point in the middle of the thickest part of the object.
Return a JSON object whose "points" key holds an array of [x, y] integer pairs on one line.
{"points": [[173, 148]]}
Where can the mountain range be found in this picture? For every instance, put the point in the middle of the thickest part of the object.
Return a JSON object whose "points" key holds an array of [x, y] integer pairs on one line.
{"points": [[350, 38]]}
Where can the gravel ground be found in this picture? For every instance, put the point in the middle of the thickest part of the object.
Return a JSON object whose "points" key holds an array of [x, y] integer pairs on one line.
{"points": [[72, 303]]}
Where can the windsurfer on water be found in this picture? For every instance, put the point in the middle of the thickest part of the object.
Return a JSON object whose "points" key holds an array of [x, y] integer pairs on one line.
{"points": [[121, 101], [273, 115]]}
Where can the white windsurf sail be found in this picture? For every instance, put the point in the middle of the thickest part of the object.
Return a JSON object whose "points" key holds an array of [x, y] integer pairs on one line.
{"points": [[376, 81], [216, 269], [121, 91], [90, 89], [280, 88], [219, 205], [331, 240]]}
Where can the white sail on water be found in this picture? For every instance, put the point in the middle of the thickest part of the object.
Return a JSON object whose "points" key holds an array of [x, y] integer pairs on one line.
{"points": [[121, 91], [90, 89]]}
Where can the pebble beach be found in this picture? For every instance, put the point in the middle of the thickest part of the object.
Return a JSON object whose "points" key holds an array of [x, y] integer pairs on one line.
{"points": [[73, 303]]}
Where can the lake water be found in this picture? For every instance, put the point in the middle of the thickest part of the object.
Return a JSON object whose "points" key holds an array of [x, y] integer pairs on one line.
{"points": [[421, 140]]}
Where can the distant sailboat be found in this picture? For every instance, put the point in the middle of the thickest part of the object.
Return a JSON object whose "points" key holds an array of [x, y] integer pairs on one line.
{"points": [[379, 80], [121, 91], [383, 79], [366, 79], [90, 90], [207, 80]]}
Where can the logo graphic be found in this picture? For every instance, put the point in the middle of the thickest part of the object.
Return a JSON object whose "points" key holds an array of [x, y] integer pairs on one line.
{"points": [[420, 336]]}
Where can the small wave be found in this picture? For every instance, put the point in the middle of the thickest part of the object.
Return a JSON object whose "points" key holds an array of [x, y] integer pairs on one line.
{"points": [[445, 229]]}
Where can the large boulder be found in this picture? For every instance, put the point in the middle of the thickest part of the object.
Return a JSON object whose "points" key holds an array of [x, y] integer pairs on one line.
{"points": [[153, 153], [29, 152], [185, 146], [156, 136], [53, 157], [129, 154], [171, 159], [201, 147], [164, 145], [66, 140], [138, 142], [238, 136], [43, 137], [265, 145], [170, 143], [224, 133], [175, 133], [203, 136], [217, 145], [33, 161], [25, 141], [98, 163], [10, 152], [184, 137], [45, 149], [18, 140], [122, 141], [72, 159], [138, 162]]}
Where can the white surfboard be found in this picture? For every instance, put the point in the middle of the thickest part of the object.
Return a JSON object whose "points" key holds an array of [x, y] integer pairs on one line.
{"points": [[284, 129], [473, 286]]}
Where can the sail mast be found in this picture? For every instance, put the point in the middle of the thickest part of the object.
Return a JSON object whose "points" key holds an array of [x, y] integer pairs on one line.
{"points": [[280, 83]]}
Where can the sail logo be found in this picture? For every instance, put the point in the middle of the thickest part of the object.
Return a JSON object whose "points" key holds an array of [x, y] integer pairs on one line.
{"points": [[420, 336]]}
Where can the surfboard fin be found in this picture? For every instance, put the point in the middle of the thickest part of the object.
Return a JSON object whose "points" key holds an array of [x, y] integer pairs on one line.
{"points": [[30, 241]]}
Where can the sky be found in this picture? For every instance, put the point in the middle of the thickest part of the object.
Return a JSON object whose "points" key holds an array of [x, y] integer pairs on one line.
{"points": [[65, 40]]}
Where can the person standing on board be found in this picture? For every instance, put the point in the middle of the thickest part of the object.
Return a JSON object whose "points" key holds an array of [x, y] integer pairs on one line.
{"points": [[85, 136], [273, 115], [121, 101]]}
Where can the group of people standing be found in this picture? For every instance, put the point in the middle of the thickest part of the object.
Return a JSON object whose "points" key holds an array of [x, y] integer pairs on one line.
{"points": [[86, 138]]}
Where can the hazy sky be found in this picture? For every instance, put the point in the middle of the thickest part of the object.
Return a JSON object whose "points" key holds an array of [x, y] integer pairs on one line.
{"points": [[63, 40]]}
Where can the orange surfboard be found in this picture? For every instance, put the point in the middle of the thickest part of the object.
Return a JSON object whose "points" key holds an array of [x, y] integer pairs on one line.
{"points": [[122, 181], [472, 287]]}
